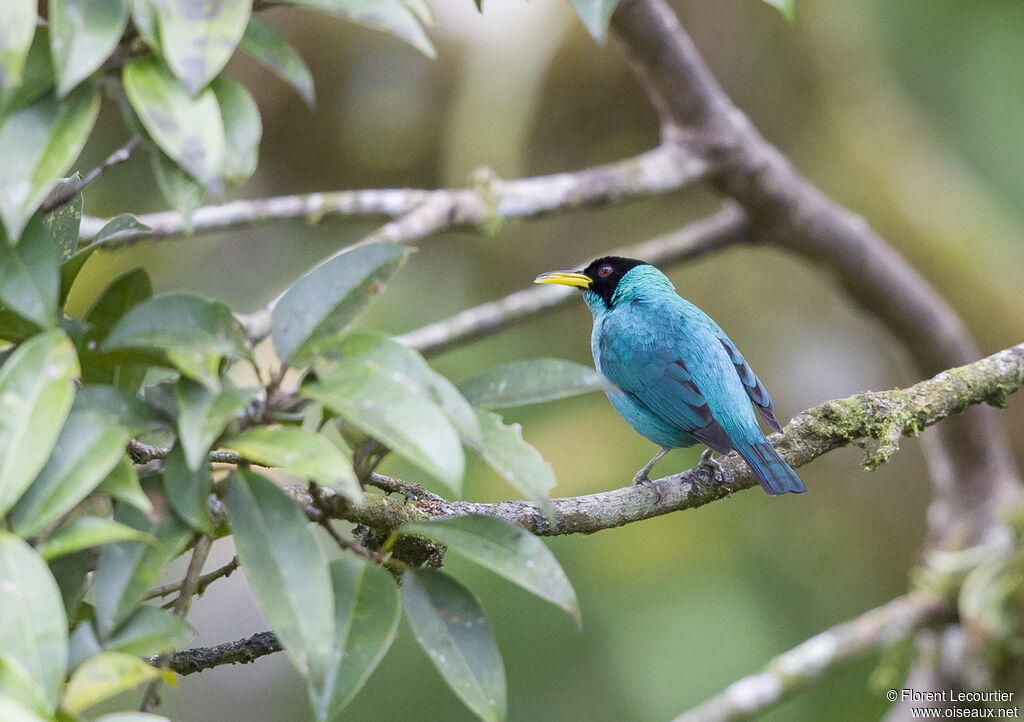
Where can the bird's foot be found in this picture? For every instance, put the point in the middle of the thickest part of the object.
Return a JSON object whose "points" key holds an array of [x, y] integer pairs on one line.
{"points": [[641, 479], [708, 461]]}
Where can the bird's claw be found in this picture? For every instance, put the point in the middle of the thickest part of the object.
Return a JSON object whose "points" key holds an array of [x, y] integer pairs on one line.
{"points": [[717, 470], [642, 479]]}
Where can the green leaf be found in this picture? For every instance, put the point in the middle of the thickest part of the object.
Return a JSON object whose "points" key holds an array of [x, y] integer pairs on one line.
{"points": [[105, 675], [127, 570], [312, 314], [87, 532], [242, 127], [263, 43], [189, 489], [38, 143], [83, 33], [122, 483], [390, 16], [505, 549], [122, 295], [181, 190], [17, 684], [36, 76], [595, 15], [386, 351], [150, 631], [193, 333], [29, 276], [62, 223], [390, 408], [285, 570], [203, 416], [301, 453], [123, 228], [197, 38], [145, 19], [531, 382], [35, 396], [786, 7], [18, 20], [367, 605], [89, 446], [505, 451], [450, 625], [187, 129], [71, 572], [11, 710], [33, 628]]}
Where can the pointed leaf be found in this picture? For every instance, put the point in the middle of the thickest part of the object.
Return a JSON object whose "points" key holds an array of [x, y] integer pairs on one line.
{"points": [[121, 229], [505, 549], [62, 223], [203, 416], [150, 631], [367, 605], [506, 452], [285, 570], [786, 7], [145, 19], [29, 276], [17, 684], [263, 43], [192, 332], [197, 38], [187, 129], [301, 453], [595, 15], [127, 570], [122, 483], [122, 295], [312, 314], [105, 675], [38, 143], [531, 382], [391, 16], [72, 574], [11, 710], [189, 489], [36, 76], [89, 446], [242, 126], [450, 625], [18, 20], [390, 408], [386, 351], [181, 190], [87, 532], [35, 396], [83, 33], [33, 629]]}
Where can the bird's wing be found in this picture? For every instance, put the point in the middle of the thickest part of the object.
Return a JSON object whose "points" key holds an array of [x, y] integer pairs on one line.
{"points": [[755, 389], [653, 373]]}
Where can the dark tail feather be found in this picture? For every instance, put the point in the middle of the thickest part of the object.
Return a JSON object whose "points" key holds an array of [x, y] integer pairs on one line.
{"points": [[772, 471]]}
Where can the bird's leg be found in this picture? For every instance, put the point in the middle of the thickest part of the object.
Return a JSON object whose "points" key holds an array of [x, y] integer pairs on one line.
{"points": [[707, 459], [641, 476]]}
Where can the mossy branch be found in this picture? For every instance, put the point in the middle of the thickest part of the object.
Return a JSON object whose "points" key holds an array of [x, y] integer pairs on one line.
{"points": [[873, 417]]}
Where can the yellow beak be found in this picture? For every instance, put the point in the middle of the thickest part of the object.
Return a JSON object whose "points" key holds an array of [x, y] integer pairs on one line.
{"points": [[564, 278]]}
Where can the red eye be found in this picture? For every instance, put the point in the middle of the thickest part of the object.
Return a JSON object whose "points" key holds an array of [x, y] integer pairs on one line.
{"points": [[604, 271]]}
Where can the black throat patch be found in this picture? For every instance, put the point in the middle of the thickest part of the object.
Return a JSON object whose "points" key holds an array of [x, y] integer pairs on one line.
{"points": [[606, 272]]}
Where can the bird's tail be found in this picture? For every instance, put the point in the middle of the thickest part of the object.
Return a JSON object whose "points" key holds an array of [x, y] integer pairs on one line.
{"points": [[772, 471]]}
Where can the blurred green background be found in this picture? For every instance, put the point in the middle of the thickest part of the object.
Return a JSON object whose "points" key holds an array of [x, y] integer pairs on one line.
{"points": [[909, 113]]}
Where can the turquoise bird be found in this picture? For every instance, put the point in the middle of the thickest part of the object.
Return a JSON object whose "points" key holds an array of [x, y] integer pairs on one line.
{"points": [[680, 379]]}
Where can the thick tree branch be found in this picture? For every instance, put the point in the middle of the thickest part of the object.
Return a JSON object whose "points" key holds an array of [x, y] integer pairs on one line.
{"points": [[726, 228], [808, 662], [491, 199], [973, 472], [873, 419], [242, 651]]}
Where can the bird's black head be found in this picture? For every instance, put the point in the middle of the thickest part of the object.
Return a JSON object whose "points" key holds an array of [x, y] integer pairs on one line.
{"points": [[605, 274]]}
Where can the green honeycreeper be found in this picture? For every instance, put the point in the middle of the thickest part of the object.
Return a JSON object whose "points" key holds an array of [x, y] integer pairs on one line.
{"points": [[680, 379]]}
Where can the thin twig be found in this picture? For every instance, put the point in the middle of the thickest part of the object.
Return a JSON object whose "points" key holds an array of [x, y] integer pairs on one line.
{"points": [[68, 194], [725, 228], [492, 199], [808, 662], [204, 581], [180, 608], [317, 514]]}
